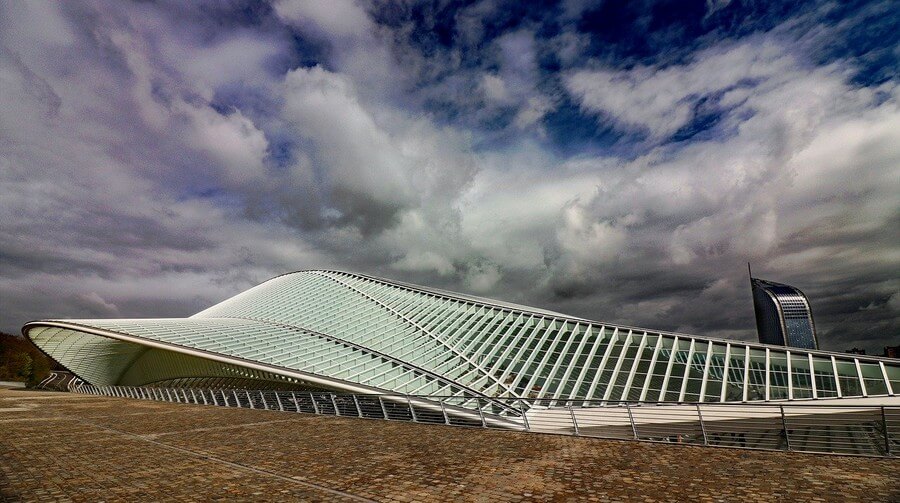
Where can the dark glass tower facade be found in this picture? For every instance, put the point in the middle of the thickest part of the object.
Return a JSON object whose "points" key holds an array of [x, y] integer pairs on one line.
{"points": [[783, 315]]}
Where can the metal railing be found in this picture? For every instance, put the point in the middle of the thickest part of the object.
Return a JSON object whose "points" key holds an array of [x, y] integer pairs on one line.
{"points": [[60, 380], [865, 430]]}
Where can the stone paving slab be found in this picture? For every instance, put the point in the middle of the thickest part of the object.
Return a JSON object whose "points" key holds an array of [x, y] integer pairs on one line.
{"points": [[112, 449]]}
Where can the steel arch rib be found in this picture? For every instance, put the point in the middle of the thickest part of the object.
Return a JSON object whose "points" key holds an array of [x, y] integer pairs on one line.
{"points": [[422, 329], [375, 353], [209, 355]]}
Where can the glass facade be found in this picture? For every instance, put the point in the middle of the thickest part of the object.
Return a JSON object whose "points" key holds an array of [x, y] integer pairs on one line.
{"points": [[783, 315], [337, 331]]}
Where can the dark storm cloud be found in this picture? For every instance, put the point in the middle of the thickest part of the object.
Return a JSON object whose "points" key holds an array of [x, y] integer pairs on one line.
{"points": [[619, 161]]}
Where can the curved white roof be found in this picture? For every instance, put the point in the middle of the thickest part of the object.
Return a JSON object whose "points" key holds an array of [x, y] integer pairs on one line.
{"points": [[350, 332]]}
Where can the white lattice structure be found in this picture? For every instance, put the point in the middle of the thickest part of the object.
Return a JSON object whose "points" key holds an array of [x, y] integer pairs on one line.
{"points": [[343, 332]]}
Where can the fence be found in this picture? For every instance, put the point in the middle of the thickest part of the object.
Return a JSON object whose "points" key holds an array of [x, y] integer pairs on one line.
{"points": [[867, 430]]}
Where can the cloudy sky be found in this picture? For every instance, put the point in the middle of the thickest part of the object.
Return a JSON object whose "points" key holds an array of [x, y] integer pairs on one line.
{"points": [[621, 161]]}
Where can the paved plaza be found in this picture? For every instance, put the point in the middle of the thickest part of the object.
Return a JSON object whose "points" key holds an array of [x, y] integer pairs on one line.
{"points": [[68, 447]]}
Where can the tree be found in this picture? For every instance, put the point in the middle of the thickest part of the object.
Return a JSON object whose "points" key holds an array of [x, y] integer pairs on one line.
{"points": [[21, 361]]}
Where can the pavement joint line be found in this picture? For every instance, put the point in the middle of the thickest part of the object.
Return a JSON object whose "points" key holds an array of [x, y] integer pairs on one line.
{"points": [[216, 428], [217, 459], [19, 419], [153, 413]]}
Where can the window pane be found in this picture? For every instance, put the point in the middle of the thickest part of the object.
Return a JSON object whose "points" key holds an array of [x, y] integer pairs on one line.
{"points": [[825, 385], [849, 380], [778, 376], [716, 373], [873, 378]]}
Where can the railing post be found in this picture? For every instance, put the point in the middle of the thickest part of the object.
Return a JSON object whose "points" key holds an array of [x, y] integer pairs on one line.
{"points": [[887, 438], [296, 403], [631, 418], [525, 416], [168, 395], [237, 401], [787, 437], [278, 399], [358, 408], [574, 422], [262, 396], [193, 395], [315, 405], [247, 392], [444, 411], [213, 395], [412, 411], [334, 403], [480, 412], [224, 397], [702, 426], [383, 410]]}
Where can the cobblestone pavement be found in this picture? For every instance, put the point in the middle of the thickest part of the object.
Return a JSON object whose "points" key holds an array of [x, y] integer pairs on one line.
{"points": [[66, 447]]}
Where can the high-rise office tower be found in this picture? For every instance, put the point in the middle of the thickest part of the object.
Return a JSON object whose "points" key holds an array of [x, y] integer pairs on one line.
{"points": [[783, 315]]}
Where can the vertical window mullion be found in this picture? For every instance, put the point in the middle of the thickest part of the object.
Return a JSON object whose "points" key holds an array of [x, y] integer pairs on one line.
{"points": [[725, 369], [862, 382], [665, 383], [603, 361], [746, 372], [559, 359], [634, 366], [687, 370], [656, 350], [617, 366], [812, 376], [709, 350], [837, 377]]}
